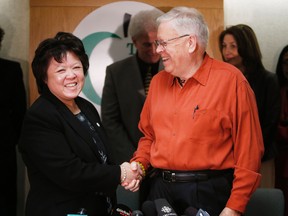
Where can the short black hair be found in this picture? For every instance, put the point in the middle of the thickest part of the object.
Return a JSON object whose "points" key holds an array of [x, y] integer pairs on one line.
{"points": [[56, 48]]}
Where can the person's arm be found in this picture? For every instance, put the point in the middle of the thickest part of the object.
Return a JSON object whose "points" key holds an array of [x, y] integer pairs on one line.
{"points": [[18, 98], [142, 154], [121, 145], [271, 114], [248, 148]]}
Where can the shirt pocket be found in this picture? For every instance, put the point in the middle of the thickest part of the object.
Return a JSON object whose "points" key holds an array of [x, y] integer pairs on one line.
{"points": [[210, 125]]}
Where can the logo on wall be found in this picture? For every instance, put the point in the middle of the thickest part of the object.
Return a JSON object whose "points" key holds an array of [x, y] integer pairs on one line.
{"points": [[104, 33]]}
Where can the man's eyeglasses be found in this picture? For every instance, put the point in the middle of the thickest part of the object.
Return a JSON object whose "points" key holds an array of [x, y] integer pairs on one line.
{"points": [[163, 44]]}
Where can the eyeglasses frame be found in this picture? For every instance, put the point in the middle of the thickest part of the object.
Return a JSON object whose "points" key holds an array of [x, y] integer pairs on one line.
{"points": [[164, 44]]}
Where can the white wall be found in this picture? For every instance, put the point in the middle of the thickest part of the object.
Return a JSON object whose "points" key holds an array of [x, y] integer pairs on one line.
{"points": [[14, 19], [269, 20]]}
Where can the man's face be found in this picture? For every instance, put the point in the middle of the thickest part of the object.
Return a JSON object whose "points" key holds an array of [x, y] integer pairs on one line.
{"points": [[175, 53], [146, 47]]}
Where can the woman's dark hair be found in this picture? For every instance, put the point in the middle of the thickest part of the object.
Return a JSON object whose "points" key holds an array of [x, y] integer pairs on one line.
{"points": [[279, 70], [57, 49], [248, 47]]}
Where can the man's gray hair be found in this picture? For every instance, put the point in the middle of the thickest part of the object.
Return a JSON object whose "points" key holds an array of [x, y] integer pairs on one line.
{"points": [[187, 21], [143, 22]]}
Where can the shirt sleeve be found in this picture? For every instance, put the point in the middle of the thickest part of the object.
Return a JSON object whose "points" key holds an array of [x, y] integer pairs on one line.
{"points": [[248, 148], [145, 142]]}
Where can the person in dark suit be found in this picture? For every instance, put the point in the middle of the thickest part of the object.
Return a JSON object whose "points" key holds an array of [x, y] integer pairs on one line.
{"points": [[124, 92], [12, 108], [281, 159], [63, 143]]}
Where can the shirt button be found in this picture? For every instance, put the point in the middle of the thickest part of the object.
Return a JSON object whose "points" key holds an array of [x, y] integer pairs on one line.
{"points": [[97, 124]]}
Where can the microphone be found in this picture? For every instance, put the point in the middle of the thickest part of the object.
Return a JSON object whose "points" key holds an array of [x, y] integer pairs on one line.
{"points": [[191, 211], [149, 208], [121, 209], [137, 213], [201, 212], [164, 208]]}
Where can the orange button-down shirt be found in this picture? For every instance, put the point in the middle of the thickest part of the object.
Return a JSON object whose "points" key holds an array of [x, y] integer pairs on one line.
{"points": [[210, 123]]}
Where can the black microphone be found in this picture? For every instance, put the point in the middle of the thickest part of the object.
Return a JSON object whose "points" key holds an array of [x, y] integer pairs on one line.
{"points": [[191, 211], [164, 208], [121, 209], [149, 208], [137, 213]]}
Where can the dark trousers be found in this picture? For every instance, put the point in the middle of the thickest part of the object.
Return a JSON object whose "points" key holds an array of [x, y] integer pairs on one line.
{"points": [[8, 191], [210, 195]]}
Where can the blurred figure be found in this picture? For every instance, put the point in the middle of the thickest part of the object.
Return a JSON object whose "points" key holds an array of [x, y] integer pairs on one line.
{"points": [[126, 84], [13, 108], [281, 175], [200, 123], [63, 143], [239, 47]]}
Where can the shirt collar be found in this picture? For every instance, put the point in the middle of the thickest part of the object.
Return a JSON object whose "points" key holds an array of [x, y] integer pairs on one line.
{"points": [[202, 74]]}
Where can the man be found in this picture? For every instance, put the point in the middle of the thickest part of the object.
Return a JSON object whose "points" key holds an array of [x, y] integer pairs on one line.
{"points": [[124, 91], [12, 109], [200, 124]]}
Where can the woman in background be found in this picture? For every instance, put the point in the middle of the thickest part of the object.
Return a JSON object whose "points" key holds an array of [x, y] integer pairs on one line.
{"points": [[281, 165], [239, 47]]}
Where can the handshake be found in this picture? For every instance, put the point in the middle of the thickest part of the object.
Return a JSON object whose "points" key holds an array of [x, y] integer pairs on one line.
{"points": [[132, 175]]}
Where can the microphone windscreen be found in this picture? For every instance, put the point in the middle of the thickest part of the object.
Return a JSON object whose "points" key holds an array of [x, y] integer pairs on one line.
{"points": [[164, 208], [191, 211], [137, 213], [149, 209], [121, 209], [201, 212]]}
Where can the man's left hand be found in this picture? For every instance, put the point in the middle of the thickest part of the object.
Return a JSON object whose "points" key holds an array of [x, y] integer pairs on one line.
{"points": [[229, 212]]}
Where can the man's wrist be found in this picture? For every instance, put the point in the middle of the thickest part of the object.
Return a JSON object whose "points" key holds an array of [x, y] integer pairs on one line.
{"points": [[142, 169]]}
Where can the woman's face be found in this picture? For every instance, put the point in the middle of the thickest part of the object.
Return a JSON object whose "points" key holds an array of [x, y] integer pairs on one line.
{"points": [[66, 79], [230, 51], [285, 65]]}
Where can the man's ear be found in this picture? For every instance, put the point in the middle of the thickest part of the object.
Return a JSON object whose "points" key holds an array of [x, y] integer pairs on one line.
{"points": [[192, 43], [133, 40]]}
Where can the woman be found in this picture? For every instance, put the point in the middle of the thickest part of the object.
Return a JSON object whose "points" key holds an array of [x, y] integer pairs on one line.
{"points": [[281, 165], [239, 47], [63, 143]]}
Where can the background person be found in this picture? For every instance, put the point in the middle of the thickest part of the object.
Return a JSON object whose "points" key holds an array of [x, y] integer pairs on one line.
{"points": [[281, 165], [239, 47], [13, 107], [124, 94], [200, 124], [63, 143]]}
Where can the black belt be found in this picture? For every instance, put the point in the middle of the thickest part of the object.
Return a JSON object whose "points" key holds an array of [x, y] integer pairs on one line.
{"points": [[189, 176]]}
